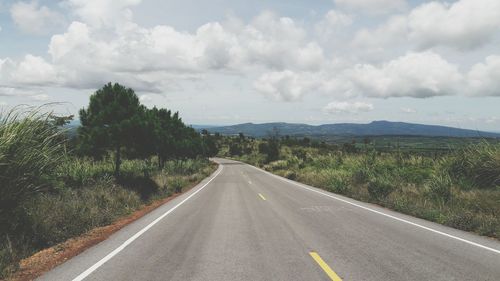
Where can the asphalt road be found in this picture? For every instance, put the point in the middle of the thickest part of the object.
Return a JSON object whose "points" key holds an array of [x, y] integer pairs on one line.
{"points": [[245, 224]]}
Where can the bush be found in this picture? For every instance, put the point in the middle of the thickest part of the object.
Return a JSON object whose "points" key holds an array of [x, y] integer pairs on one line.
{"points": [[177, 183], [338, 184], [292, 175], [380, 188]]}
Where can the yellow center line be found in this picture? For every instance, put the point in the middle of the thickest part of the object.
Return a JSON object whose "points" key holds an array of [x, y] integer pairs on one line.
{"points": [[325, 267], [262, 196]]}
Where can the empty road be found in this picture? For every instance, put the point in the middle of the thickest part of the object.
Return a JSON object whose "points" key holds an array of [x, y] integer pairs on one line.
{"points": [[245, 224]]}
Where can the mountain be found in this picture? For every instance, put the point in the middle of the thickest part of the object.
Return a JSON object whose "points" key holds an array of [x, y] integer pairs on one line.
{"points": [[375, 128]]}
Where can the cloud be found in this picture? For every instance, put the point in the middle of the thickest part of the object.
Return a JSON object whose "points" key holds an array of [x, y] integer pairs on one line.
{"points": [[152, 59], [465, 24], [347, 107], [375, 7], [103, 13], [30, 71], [391, 31], [332, 22], [418, 75], [286, 85], [106, 45], [33, 70], [484, 78], [32, 18]]}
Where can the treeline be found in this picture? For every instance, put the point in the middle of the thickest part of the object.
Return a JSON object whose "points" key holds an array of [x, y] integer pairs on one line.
{"points": [[115, 122]]}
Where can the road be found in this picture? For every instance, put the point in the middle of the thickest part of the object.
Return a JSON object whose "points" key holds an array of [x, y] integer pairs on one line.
{"points": [[245, 224]]}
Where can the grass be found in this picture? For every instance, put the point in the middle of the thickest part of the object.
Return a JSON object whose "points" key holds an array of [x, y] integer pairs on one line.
{"points": [[30, 151], [88, 197], [460, 189]]}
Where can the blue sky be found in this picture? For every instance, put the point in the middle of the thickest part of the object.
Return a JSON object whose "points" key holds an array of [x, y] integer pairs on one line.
{"points": [[226, 62]]}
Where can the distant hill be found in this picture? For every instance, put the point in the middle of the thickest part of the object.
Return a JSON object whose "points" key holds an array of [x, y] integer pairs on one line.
{"points": [[375, 128]]}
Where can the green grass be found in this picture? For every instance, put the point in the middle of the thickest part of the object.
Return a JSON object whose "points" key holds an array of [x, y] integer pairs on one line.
{"points": [[31, 149], [88, 196]]}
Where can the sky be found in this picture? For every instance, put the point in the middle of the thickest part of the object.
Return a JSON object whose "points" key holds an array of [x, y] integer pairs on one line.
{"points": [[232, 61]]}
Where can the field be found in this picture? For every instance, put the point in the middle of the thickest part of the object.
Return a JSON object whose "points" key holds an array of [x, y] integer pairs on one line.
{"points": [[458, 186]]}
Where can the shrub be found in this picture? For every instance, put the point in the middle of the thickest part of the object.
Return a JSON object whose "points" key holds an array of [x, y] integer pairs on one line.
{"points": [[292, 175], [177, 183], [380, 188], [338, 184]]}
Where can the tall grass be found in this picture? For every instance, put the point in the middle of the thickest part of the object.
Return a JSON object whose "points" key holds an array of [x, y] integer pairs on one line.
{"points": [[31, 150], [479, 163]]}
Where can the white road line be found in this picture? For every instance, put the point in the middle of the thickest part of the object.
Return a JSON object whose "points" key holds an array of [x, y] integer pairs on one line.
{"points": [[381, 213], [91, 269]]}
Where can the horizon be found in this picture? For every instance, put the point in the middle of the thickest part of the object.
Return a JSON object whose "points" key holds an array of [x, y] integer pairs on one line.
{"points": [[301, 62], [202, 126]]}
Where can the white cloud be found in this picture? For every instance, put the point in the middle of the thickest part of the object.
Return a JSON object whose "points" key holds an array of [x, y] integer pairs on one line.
{"points": [[34, 70], [30, 71], [91, 53], [148, 57], [32, 18], [103, 13], [106, 45], [416, 75], [286, 85], [393, 30], [484, 78], [464, 24], [372, 6], [332, 22], [347, 107]]}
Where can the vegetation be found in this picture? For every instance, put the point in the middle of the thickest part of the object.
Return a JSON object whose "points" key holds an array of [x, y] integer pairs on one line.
{"points": [[124, 156], [459, 187]]}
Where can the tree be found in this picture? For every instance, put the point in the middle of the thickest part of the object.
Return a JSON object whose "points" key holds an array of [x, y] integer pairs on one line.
{"points": [[110, 120], [273, 149], [273, 145], [210, 147]]}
